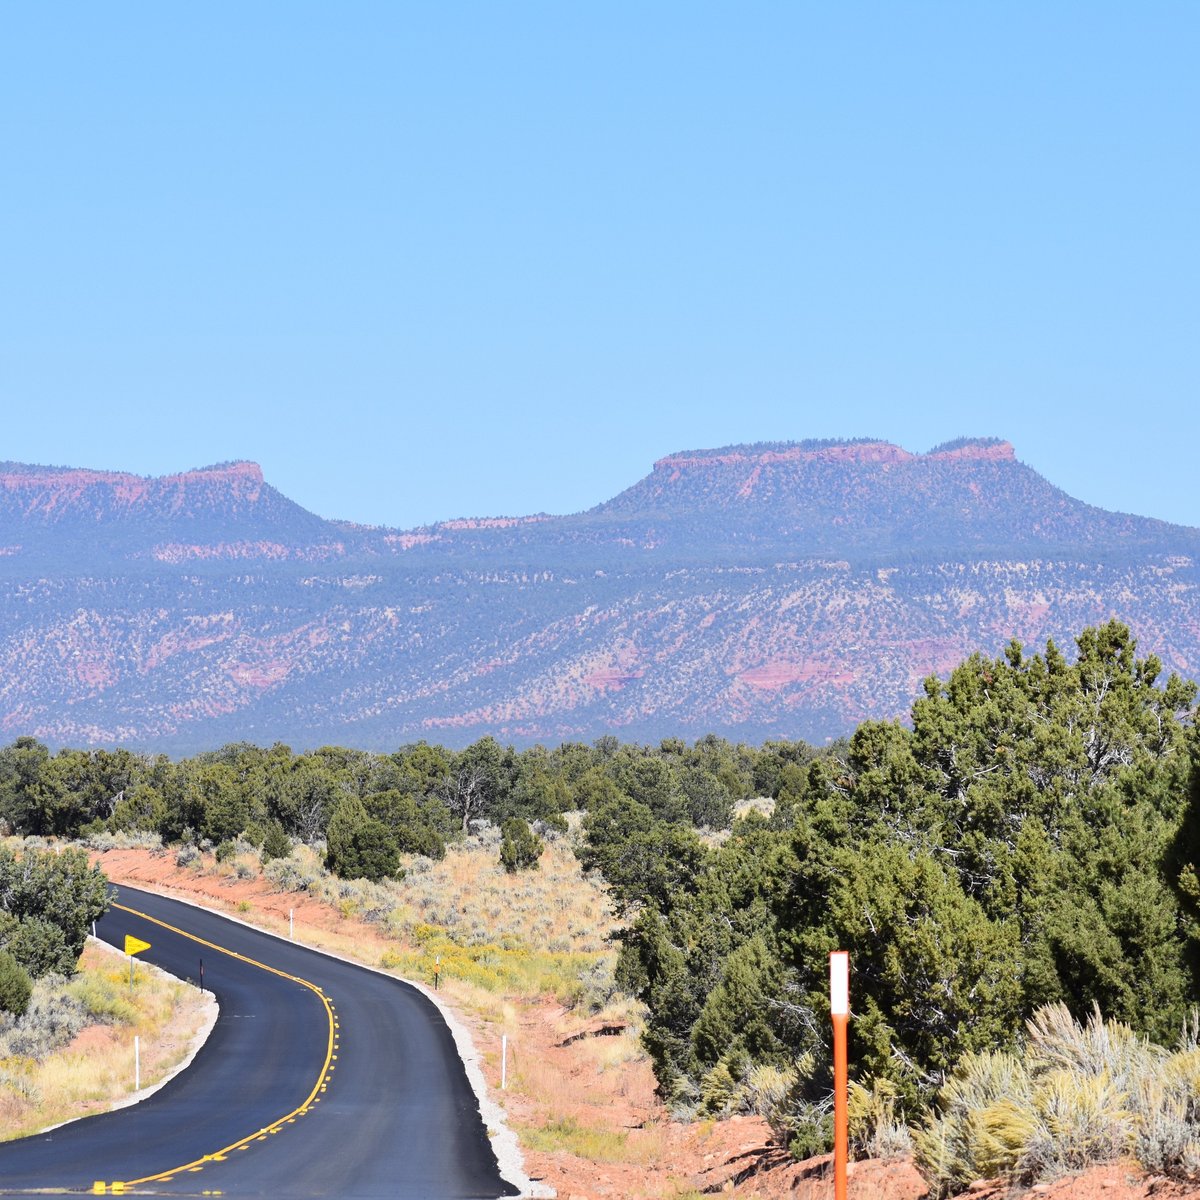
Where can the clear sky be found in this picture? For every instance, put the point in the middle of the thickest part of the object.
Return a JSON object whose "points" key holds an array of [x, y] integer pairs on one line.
{"points": [[444, 259]]}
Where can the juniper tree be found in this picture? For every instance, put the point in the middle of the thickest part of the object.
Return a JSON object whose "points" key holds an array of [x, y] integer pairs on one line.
{"points": [[358, 846]]}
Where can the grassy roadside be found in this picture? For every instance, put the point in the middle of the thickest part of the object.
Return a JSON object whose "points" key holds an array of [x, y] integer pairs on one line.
{"points": [[72, 1055]]}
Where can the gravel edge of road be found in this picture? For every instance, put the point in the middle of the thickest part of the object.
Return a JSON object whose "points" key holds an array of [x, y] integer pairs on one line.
{"points": [[504, 1142]]}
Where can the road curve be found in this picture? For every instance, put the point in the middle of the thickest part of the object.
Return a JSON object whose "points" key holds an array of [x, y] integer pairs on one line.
{"points": [[320, 1079]]}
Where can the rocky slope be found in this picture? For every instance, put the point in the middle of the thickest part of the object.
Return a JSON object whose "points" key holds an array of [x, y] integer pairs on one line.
{"points": [[758, 591]]}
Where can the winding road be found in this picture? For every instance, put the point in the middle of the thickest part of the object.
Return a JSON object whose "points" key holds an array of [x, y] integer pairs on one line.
{"points": [[320, 1079]]}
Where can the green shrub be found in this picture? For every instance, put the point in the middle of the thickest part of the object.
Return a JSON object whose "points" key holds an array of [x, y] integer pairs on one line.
{"points": [[60, 890], [143, 808], [358, 846], [225, 850], [521, 847], [104, 1000], [421, 839], [52, 1019], [41, 948], [812, 1129], [720, 1088], [275, 843], [253, 835], [15, 985]]}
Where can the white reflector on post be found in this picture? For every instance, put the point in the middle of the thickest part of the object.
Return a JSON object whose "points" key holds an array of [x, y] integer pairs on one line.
{"points": [[839, 983]]}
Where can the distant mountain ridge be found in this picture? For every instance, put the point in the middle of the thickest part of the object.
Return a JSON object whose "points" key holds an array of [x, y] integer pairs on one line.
{"points": [[109, 514], [874, 496], [776, 589], [63, 493]]}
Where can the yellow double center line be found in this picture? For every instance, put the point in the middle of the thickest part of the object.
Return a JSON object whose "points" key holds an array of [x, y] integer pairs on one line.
{"points": [[275, 1126]]}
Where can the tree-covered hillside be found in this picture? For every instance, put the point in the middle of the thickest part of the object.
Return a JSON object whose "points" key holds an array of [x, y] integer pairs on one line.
{"points": [[1025, 842]]}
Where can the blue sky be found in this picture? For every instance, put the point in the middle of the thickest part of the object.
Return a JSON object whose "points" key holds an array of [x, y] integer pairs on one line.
{"points": [[425, 261]]}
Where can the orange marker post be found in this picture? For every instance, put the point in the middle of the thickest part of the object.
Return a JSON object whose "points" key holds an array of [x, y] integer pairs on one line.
{"points": [[839, 1009]]}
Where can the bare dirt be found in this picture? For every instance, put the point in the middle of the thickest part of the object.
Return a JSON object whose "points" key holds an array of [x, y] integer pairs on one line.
{"points": [[587, 1083]]}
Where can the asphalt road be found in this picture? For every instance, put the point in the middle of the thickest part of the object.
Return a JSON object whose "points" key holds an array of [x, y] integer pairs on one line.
{"points": [[320, 1079]]}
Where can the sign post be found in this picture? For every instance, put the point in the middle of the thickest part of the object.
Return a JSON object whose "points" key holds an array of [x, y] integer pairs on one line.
{"points": [[839, 1009], [133, 946]]}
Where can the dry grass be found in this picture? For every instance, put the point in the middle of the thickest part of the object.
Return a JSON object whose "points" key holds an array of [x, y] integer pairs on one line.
{"points": [[95, 1068], [638, 1147], [532, 933], [1083, 1094]]}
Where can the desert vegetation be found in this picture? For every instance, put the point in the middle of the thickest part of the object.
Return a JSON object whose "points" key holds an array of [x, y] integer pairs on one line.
{"points": [[68, 1015], [1077, 1093], [48, 901], [1021, 857], [70, 1053], [1014, 872]]}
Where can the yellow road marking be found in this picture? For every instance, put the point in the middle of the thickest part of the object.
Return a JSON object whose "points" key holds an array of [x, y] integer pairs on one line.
{"points": [[259, 1134]]}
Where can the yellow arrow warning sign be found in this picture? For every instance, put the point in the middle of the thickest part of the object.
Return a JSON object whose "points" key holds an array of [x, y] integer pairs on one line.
{"points": [[135, 945]]}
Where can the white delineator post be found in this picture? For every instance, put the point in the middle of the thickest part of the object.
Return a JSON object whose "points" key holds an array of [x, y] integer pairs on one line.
{"points": [[839, 1010], [137, 1064], [504, 1062], [291, 924]]}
